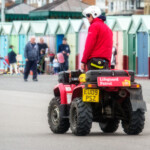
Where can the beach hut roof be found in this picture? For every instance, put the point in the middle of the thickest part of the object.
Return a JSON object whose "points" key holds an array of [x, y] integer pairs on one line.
{"points": [[75, 24], [111, 22], [122, 24], [6, 28], [136, 19], [16, 27], [38, 27], [52, 26], [85, 25], [145, 24], [25, 25], [63, 26]]}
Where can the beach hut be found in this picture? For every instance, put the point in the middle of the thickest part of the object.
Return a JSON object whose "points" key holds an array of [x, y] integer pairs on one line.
{"points": [[62, 28], [23, 38], [4, 40], [120, 41], [50, 34], [132, 38], [14, 38], [143, 45], [83, 31], [72, 36], [37, 28], [110, 21]]}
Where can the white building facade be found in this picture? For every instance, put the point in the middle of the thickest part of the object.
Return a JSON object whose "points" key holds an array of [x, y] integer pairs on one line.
{"points": [[124, 6], [38, 3]]}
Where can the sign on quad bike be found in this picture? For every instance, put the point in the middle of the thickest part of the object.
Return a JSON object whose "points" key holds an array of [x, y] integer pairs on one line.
{"points": [[103, 96]]}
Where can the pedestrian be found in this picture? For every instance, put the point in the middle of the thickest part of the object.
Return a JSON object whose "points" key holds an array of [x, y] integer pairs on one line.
{"points": [[113, 57], [65, 49], [42, 61], [98, 47], [32, 58], [42, 47], [51, 58], [56, 65], [12, 60], [61, 61]]}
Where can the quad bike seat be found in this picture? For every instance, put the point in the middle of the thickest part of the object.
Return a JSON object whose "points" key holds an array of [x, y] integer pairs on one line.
{"points": [[91, 75]]}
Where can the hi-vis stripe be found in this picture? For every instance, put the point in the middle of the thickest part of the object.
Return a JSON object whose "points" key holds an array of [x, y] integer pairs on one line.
{"points": [[96, 66]]}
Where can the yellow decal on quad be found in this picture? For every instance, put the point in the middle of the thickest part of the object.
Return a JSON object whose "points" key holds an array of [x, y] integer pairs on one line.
{"points": [[82, 78], [126, 83]]}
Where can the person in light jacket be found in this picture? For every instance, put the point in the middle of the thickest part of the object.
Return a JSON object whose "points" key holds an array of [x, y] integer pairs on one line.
{"points": [[32, 57]]}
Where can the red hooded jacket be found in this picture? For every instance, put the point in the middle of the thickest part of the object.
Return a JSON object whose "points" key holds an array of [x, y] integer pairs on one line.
{"points": [[99, 41]]}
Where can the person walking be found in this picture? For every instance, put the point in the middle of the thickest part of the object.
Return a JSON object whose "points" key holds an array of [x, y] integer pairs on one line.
{"points": [[99, 42], [65, 49], [42, 61], [32, 57], [12, 60], [44, 48]]}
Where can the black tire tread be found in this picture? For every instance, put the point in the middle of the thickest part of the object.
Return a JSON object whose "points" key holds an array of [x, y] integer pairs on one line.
{"points": [[136, 119], [84, 119], [64, 125], [111, 126], [136, 124]]}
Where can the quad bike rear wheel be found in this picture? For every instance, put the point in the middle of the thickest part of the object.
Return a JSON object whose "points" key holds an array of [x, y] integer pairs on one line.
{"points": [[81, 117], [109, 125], [56, 123], [134, 122]]}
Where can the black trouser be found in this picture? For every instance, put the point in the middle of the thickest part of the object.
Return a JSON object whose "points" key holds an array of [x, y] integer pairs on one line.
{"points": [[62, 67], [97, 64], [66, 65], [30, 65]]}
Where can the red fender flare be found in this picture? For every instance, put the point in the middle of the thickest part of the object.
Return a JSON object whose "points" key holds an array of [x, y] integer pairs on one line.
{"points": [[77, 92], [62, 91]]}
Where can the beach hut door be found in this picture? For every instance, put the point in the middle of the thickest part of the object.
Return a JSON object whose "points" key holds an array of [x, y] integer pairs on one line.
{"points": [[143, 54], [132, 52], [3, 49], [22, 46], [59, 40]]}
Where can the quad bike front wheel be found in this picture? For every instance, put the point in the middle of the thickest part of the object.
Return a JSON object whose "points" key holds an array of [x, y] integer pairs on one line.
{"points": [[80, 117], [134, 122], [109, 125], [56, 123]]}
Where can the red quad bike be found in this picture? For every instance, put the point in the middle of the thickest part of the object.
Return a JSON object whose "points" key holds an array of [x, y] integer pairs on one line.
{"points": [[106, 97]]}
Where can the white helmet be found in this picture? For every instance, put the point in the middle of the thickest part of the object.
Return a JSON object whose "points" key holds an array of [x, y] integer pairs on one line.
{"points": [[93, 10]]}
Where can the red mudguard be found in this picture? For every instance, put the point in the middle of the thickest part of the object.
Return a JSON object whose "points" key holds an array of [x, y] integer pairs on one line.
{"points": [[64, 92], [77, 92]]}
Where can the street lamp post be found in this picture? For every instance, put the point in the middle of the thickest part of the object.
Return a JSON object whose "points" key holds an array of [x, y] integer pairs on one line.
{"points": [[3, 11]]}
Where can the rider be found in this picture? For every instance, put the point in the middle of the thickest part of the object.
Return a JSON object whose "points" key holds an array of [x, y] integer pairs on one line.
{"points": [[99, 42]]}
